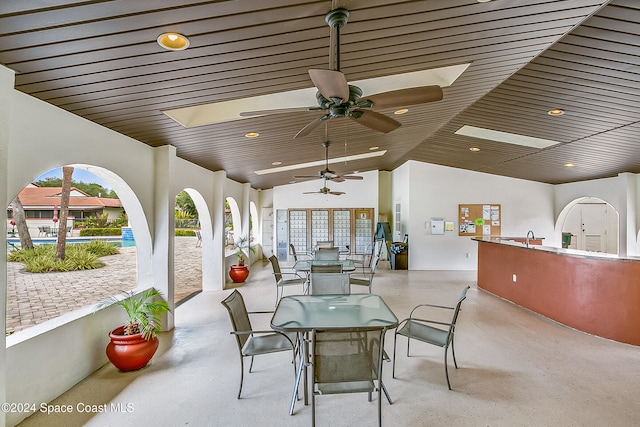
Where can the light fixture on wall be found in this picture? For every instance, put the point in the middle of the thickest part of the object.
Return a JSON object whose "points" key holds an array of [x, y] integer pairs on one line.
{"points": [[173, 41]]}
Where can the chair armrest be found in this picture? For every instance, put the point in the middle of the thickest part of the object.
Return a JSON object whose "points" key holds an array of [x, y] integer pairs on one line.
{"points": [[260, 312], [255, 332], [290, 273], [430, 305]]}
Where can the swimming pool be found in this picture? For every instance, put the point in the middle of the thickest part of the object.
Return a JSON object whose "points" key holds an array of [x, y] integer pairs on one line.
{"points": [[114, 240]]}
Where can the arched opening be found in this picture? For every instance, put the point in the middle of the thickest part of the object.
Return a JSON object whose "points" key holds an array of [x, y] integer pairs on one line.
{"points": [[589, 224], [232, 224], [193, 238], [254, 230], [30, 295]]}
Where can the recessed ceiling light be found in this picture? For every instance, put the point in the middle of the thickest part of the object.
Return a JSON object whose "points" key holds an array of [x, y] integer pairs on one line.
{"points": [[401, 111], [375, 147], [173, 41], [474, 149], [556, 112], [252, 135], [276, 163], [484, 1], [569, 165]]}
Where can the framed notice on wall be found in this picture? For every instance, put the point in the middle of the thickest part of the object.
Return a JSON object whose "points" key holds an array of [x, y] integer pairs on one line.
{"points": [[479, 220]]}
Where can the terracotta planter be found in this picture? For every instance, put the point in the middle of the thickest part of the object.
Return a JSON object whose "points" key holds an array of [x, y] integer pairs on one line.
{"points": [[239, 273], [130, 352]]}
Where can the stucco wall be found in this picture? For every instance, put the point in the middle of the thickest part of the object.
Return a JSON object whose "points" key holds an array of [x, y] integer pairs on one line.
{"points": [[431, 191]]}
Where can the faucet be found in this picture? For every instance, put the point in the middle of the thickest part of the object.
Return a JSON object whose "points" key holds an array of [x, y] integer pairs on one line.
{"points": [[529, 233]]}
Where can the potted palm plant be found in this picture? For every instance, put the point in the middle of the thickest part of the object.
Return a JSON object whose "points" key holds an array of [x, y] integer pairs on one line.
{"points": [[239, 271], [133, 344]]}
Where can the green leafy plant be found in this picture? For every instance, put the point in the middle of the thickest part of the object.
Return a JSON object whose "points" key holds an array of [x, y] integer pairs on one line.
{"points": [[42, 259], [243, 248], [143, 312]]}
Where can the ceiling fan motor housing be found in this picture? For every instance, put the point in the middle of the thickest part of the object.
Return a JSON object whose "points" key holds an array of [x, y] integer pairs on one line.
{"points": [[337, 18]]}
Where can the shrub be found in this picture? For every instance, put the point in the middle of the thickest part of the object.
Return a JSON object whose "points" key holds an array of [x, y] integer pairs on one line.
{"points": [[83, 256], [88, 232], [100, 248], [185, 232]]}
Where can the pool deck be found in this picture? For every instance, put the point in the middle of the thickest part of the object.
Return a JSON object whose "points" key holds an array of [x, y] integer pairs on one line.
{"points": [[33, 298]]}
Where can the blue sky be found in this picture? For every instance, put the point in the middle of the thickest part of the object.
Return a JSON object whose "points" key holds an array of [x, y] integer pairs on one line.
{"points": [[79, 175]]}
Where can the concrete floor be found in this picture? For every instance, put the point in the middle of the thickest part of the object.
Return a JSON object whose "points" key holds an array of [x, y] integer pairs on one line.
{"points": [[516, 369]]}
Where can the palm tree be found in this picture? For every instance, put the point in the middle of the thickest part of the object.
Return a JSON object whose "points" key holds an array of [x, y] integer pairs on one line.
{"points": [[67, 171], [21, 224]]}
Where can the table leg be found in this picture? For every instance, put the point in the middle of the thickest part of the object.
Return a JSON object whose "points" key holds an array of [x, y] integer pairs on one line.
{"points": [[302, 345]]}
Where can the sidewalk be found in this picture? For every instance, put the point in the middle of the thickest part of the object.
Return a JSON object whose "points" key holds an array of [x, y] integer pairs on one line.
{"points": [[33, 298]]}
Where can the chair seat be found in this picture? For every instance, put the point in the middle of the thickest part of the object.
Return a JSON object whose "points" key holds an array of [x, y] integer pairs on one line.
{"points": [[358, 281], [290, 282], [263, 344], [422, 332], [348, 387]]}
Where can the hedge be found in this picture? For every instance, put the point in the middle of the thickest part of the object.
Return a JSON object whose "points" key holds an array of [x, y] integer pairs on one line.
{"points": [[85, 232]]}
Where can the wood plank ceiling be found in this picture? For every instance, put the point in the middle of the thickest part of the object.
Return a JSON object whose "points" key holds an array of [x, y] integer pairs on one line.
{"points": [[100, 60]]}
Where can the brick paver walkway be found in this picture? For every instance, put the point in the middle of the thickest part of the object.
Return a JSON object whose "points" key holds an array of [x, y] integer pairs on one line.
{"points": [[33, 298]]}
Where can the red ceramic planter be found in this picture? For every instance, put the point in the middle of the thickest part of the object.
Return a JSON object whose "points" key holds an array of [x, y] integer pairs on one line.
{"points": [[239, 273], [130, 352]]}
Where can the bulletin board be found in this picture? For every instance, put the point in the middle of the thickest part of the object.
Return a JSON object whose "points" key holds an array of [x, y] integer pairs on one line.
{"points": [[479, 220]]}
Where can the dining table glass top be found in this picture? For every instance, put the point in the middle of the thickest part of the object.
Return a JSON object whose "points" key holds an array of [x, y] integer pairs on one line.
{"points": [[300, 313], [305, 264]]}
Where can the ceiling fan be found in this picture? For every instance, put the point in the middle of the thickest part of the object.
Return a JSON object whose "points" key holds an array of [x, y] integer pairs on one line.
{"points": [[326, 173], [340, 99], [325, 190]]}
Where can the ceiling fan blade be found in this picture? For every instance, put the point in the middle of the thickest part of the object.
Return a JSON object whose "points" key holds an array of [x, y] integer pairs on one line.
{"points": [[331, 84], [309, 128], [337, 193], [337, 178], [402, 97], [375, 121], [354, 177], [278, 111]]}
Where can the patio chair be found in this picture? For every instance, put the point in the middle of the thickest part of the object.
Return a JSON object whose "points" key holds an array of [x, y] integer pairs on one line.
{"points": [[347, 361], [332, 254], [329, 283], [421, 330], [199, 239], [325, 244], [364, 262], [285, 278], [367, 279], [253, 342], [295, 253]]}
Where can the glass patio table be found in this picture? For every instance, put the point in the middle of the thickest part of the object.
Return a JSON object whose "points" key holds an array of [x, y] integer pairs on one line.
{"points": [[304, 313], [305, 264]]}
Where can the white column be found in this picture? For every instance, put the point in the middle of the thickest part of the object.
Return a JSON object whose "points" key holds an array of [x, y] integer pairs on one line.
{"points": [[627, 223], [6, 94], [217, 258], [163, 227]]}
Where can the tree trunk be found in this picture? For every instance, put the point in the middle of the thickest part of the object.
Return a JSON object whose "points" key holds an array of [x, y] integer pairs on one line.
{"points": [[67, 171], [21, 224]]}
